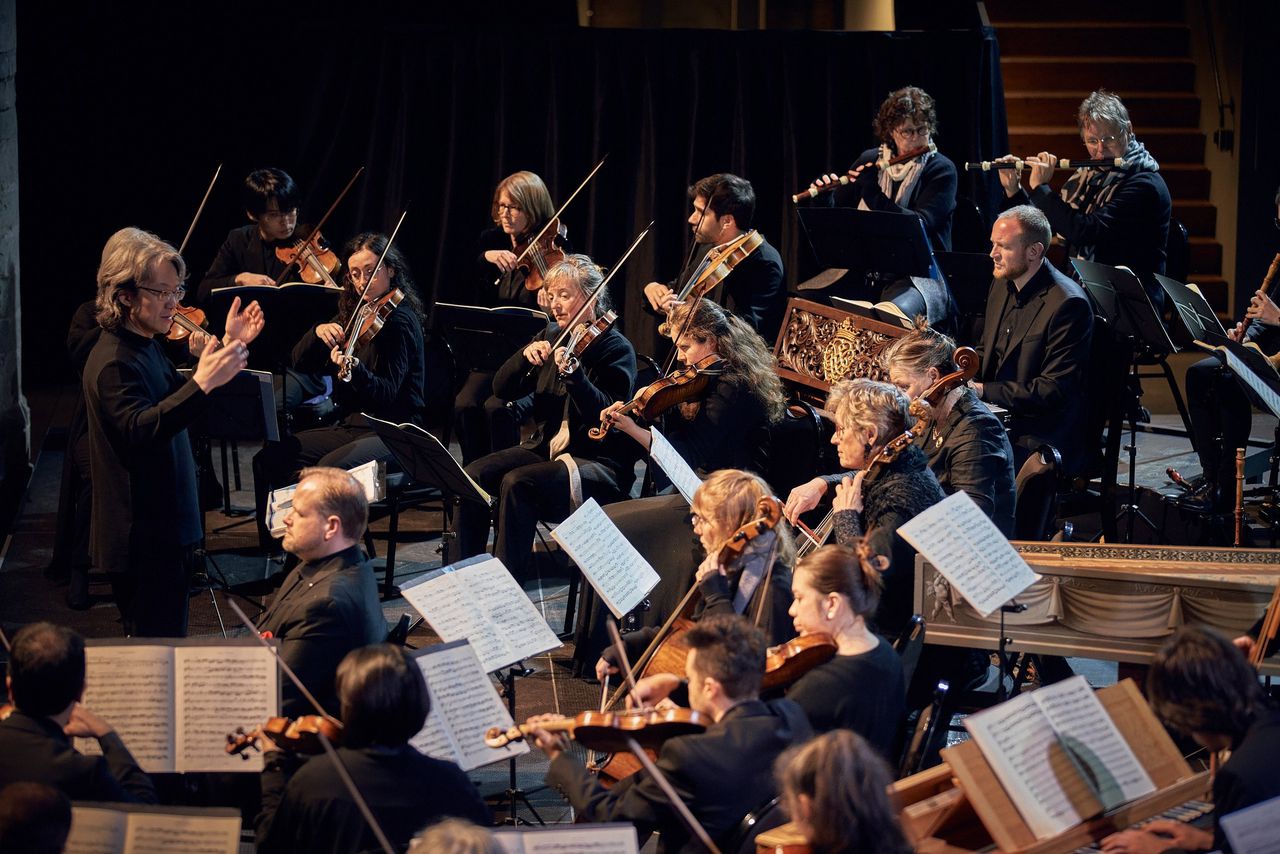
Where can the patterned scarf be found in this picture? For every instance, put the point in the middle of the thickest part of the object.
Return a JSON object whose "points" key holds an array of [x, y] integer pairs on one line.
{"points": [[1092, 188], [905, 175]]}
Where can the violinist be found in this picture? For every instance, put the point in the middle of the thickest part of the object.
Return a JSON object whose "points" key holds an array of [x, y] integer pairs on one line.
{"points": [[45, 682], [387, 380], [756, 583], [248, 255], [836, 790], [146, 517], [558, 467], [328, 604], [925, 185], [521, 207], [861, 688], [724, 206], [385, 703], [721, 774]]}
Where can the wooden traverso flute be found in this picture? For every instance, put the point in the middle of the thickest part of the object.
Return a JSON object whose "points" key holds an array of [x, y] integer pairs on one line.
{"points": [[989, 165], [1239, 494], [843, 180]]}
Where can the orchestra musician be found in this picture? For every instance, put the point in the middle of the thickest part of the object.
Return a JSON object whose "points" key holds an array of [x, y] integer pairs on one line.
{"points": [[724, 207], [388, 377], [558, 467], [34, 818], [248, 255], [967, 446], [835, 789], [862, 688], [1202, 685], [721, 774], [1220, 411], [924, 185], [146, 517], [1035, 342], [756, 583], [384, 701], [45, 683], [1112, 215], [328, 604], [521, 207]]}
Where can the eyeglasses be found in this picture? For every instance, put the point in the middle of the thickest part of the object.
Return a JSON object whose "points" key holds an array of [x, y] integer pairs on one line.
{"points": [[1092, 141], [291, 213], [919, 131], [165, 296], [357, 275], [695, 520], [503, 207]]}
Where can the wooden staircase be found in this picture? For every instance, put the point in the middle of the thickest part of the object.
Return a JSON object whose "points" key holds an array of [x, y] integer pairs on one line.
{"points": [[1141, 50]]}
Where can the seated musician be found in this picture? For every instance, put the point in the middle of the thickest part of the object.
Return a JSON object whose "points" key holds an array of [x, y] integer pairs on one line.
{"points": [[1221, 414], [1203, 686], [328, 604], [967, 445], [387, 376], [835, 788], [521, 207], [724, 206], [45, 684], [34, 818], [925, 185], [558, 467], [755, 583], [384, 702], [720, 774], [1035, 342], [1112, 215], [861, 688], [248, 255]]}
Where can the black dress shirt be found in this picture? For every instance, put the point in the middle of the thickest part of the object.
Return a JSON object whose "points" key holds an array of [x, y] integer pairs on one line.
{"points": [[244, 251]]}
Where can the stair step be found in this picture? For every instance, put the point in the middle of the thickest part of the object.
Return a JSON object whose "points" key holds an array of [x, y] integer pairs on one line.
{"points": [[1206, 255], [1120, 74], [1172, 145], [1000, 11], [1169, 109], [1186, 180], [1093, 38], [1199, 217]]}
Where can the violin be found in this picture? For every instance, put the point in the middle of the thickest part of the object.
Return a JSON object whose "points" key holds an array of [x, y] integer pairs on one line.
{"points": [[662, 394], [787, 662], [299, 735], [187, 320], [316, 262], [539, 254], [881, 162], [583, 336], [609, 731], [720, 263], [370, 318]]}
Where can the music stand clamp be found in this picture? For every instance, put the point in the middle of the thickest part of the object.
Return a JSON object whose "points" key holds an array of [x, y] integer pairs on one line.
{"points": [[878, 245]]}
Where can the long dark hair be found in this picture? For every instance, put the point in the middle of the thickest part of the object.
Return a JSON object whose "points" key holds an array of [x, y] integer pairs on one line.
{"points": [[396, 264]]}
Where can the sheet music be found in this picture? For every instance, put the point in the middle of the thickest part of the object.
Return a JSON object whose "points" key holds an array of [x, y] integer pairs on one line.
{"points": [[464, 705], [371, 475], [606, 838], [96, 830], [478, 600], [970, 552], [615, 569], [1265, 392], [220, 688], [1253, 829], [131, 687], [667, 458]]}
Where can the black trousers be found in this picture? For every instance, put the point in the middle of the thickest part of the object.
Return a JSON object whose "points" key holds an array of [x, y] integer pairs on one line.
{"points": [[1221, 420], [153, 595], [529, 489], [484, 423]]}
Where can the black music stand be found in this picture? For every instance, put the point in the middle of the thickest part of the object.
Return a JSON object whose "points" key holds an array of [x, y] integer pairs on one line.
{"points": [[877, 245], [430, 464], [1191, 319], [483, 338]]}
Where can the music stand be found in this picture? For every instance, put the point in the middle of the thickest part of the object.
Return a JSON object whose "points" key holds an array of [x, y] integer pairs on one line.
{"points": [[244, 409], [877, 245], [484, 338], [429, 463], [1191, 319]]}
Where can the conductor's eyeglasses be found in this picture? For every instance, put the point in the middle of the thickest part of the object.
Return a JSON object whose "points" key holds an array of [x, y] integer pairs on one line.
{"points": [[164, 296]]}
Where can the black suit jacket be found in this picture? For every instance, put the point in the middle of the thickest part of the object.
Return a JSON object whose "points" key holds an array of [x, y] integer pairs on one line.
{"points": [[755, 290], [324, 610], [244, 251], [1040, 378], [35, 750], [721, 774], [970, 452], [1249, 777]]}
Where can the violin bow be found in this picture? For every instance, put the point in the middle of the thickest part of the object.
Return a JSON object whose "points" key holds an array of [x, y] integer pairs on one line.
{"points": [[615, 638], [556, 216], [191, 228], [361, 804], [377, 268], [324, 219]]}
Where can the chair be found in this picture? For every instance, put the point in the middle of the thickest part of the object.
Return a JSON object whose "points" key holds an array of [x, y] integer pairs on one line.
{"points": [[1177, 252], [765, 817], [908, 645], [787, 453], [1035, 512]]}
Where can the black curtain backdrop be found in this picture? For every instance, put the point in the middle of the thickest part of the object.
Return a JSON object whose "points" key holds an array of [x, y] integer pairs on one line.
{"points": [[125, 112]]}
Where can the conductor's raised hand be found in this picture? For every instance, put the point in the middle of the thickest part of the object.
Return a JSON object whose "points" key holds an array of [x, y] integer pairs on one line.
{"points": [[218, 364], [538, 352], [244, 326]]}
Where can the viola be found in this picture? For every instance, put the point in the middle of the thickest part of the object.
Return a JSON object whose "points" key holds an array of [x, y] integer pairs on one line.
{"points": [[316, 262], [787, 662], [662, 394], [539, 254], [720, 263], [298, 735], [371, 317], [583, 336], [611, 731], [187, 320]]}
